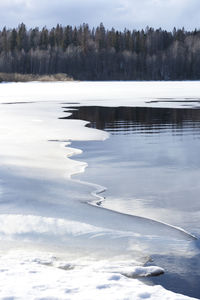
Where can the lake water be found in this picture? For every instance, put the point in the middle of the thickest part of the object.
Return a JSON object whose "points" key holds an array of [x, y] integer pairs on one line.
{"points": [[150, 167]]}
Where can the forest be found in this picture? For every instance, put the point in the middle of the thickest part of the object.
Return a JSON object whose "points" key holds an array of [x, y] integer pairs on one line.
{"points": [[85, 53]]}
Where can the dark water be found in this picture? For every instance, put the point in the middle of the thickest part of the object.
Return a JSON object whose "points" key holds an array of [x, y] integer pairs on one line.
{"points": [[150, 166]]}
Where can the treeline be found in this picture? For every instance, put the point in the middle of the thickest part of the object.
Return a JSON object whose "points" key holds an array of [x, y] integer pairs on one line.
{"points": [[100, 54]]}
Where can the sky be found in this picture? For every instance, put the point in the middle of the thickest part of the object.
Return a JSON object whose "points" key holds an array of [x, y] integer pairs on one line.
{"points": [[120, 14]]}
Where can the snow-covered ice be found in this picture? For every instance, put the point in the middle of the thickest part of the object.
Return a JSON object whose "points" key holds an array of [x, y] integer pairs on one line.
{"points": [[54, 245], [39, 276]]}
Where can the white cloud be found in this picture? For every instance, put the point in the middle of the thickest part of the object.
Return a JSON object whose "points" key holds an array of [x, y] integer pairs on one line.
{"points": [[113, 13]]}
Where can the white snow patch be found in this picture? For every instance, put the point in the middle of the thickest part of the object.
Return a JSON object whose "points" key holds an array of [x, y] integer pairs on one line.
{"points": [[25, 275], [144, 272]]}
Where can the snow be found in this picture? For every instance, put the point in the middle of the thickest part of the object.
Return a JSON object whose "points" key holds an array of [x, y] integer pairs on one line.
{"points": [[54, 245], [39, 276], [144, 272]]}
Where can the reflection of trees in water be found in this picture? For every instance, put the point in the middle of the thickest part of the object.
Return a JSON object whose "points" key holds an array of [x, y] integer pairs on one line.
{"points": [[129, 118]]}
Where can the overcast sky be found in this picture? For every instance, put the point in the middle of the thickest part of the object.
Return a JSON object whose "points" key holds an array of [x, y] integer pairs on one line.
{"points": [[132, 14]]}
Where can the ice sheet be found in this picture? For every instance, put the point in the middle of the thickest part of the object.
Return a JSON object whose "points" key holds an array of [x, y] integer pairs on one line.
{"points": [[149, 93]]}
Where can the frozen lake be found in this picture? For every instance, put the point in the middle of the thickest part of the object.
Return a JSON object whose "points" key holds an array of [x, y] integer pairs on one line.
{"points": [[124, 208], [150, 167]]}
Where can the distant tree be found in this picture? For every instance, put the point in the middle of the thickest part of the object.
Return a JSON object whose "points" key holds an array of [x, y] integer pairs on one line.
{"points": [[22, 38], [13, 40]]}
